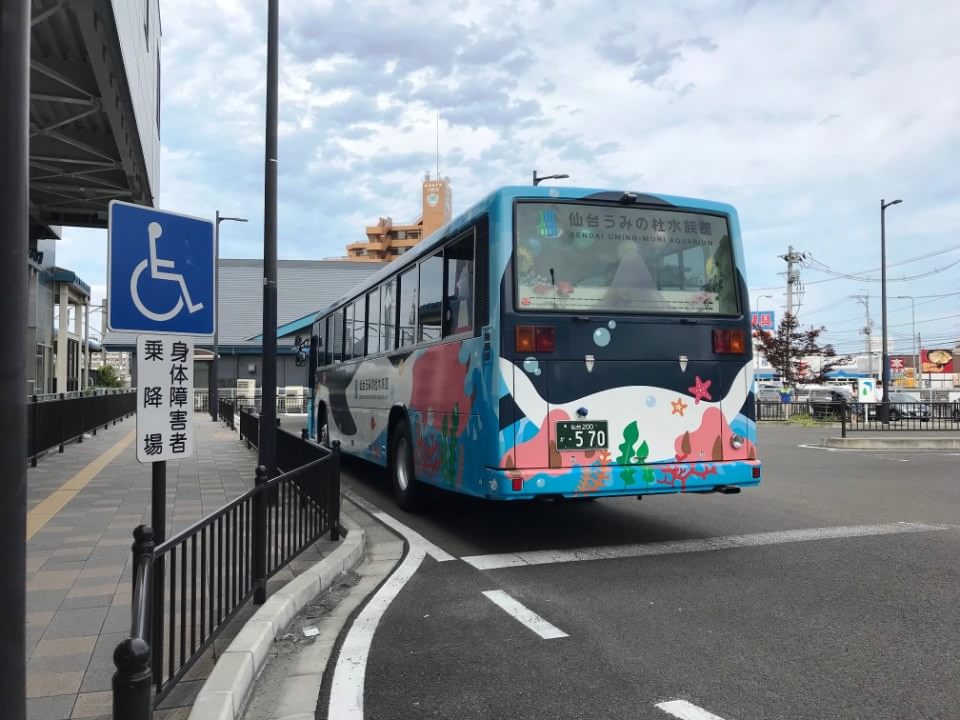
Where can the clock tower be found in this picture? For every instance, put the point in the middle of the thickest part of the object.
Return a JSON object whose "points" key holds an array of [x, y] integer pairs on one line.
{"points": [[437, 204]]}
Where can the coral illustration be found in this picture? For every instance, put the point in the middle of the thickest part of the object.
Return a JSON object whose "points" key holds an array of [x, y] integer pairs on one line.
{"points": [[673, 474]]}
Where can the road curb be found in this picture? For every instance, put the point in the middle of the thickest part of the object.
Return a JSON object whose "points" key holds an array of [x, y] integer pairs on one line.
{"points": [[224, 693], [875, 443]]}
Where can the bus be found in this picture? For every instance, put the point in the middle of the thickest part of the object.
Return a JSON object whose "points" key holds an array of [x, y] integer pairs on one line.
{"points": [[550, 343]]}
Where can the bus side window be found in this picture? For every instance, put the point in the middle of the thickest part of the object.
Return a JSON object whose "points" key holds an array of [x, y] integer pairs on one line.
{"points": [[408, 307], [348, 334], [321, 334], [358, 339], [431, 298], [388, 343], [337, 334], [458, 295], [373, 322]]}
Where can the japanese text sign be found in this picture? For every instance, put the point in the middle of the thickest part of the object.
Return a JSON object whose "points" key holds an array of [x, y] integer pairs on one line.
{"points": [[164, 398]]}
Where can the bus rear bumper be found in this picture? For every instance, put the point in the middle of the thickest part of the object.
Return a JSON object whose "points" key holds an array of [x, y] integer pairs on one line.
{"points": [[614, 480]]}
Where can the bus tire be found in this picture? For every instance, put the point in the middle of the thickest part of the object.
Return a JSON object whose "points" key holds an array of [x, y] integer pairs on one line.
{"points": [[407, 490]]}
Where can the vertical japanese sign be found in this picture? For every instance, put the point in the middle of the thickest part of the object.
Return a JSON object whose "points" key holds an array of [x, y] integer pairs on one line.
{"points": [[164, 397]]}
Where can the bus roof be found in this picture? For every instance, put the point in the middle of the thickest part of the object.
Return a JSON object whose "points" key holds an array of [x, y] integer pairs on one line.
{"points": [[509, 193]]}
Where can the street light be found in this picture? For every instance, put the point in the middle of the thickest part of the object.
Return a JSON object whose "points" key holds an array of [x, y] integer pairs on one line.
{"points": [[885, 370], [538, 180], [213, 397], [913, 335], [756, 309]]}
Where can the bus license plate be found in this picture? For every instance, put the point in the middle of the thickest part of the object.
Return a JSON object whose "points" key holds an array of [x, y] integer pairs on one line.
{"points": [[582, 435]]}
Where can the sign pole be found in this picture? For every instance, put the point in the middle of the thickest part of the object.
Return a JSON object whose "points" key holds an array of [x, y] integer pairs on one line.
{"points": [[158, 503]]}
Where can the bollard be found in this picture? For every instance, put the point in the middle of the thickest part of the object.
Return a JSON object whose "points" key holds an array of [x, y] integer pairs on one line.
{"points": [[260, 537], [334, 490], [131, 681]]}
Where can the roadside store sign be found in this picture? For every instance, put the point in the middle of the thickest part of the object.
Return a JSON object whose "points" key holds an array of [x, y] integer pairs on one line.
{"points": [[866, 390], [164, 398]]}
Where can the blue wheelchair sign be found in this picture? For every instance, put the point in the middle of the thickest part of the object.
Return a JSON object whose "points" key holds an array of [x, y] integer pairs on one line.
{"points": [[160, 272]]}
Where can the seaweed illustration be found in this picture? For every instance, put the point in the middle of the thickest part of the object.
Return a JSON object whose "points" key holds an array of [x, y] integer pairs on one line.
{"points": [[631, 433], [448, 445]]}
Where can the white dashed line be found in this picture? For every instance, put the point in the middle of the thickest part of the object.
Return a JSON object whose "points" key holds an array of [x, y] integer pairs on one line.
{"points": [[727, 542], [525, 615], [686, 711]]}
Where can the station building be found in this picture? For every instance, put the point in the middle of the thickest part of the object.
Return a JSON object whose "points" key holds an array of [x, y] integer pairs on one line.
{"points": [[94, 137]]}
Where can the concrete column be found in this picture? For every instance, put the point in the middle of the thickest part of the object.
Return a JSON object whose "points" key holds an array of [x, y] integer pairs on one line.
{"points": [[62, 338], [85, 365]]}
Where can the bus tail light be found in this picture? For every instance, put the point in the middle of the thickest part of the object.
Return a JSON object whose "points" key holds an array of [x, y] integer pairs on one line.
{"points": [[536, 338], [526, 338], [728, 342], [546, 339]]}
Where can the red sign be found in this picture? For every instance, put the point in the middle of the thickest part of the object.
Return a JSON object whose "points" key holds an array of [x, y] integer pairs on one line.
{"points": [[936, 361], [896, 364]]}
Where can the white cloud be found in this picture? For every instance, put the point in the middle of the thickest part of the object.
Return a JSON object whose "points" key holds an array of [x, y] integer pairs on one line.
{"points": [[803, 115]]}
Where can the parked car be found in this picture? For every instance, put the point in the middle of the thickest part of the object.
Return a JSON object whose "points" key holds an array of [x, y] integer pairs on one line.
{"points": [[768, 393], [902, 406], [828, 402]]}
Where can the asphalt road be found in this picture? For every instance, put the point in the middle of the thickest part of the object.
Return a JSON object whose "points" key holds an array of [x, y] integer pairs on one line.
{"points": [[784, 617]]}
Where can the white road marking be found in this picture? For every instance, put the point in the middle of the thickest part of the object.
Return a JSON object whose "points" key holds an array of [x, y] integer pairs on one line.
{"points": [[677, 547], [346, 690], [525, 615], [413, 537], [686, 711]]}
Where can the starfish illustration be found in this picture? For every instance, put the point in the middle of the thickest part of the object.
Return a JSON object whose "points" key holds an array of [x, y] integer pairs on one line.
{"points": [[678, 407], [700, 390]]}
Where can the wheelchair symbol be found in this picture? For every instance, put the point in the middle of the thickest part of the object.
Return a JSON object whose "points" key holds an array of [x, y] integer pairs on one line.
{"points": [[154, 231]]}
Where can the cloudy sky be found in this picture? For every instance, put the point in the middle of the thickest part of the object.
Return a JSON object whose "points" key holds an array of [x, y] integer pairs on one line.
{"points": [[802, 114]]}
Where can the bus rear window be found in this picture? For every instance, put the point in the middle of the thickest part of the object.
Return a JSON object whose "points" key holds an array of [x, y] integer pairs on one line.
{"points": [[588, 258]]}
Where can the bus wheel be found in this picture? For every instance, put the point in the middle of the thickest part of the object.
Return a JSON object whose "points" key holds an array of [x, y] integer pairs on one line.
{"points": [[406, 488]]}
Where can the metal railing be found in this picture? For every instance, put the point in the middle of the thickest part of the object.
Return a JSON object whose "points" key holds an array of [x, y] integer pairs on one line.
{"points": [[285, 403], [225, 412], [914, 416], [911, 416], [776, 411], [55, 422], [188, 588]]}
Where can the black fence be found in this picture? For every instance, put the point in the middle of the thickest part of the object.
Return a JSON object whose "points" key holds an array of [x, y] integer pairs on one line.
{"points": [[225, 412], [54, 422], [189, 587], [913, 416]]}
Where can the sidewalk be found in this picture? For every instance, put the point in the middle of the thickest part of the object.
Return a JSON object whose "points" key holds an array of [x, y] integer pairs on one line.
{"points": [[82, 508]]}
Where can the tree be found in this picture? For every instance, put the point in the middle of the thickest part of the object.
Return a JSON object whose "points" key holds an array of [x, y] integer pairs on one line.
{"points": [[108, 377], [787, 349]]}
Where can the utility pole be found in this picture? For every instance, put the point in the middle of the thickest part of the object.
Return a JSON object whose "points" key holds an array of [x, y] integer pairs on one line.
{"points": [[793, 278], [14, 244]]}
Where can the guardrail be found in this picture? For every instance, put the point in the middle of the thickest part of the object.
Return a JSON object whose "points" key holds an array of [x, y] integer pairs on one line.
{"points": [[55, 422], [188, 588]]}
